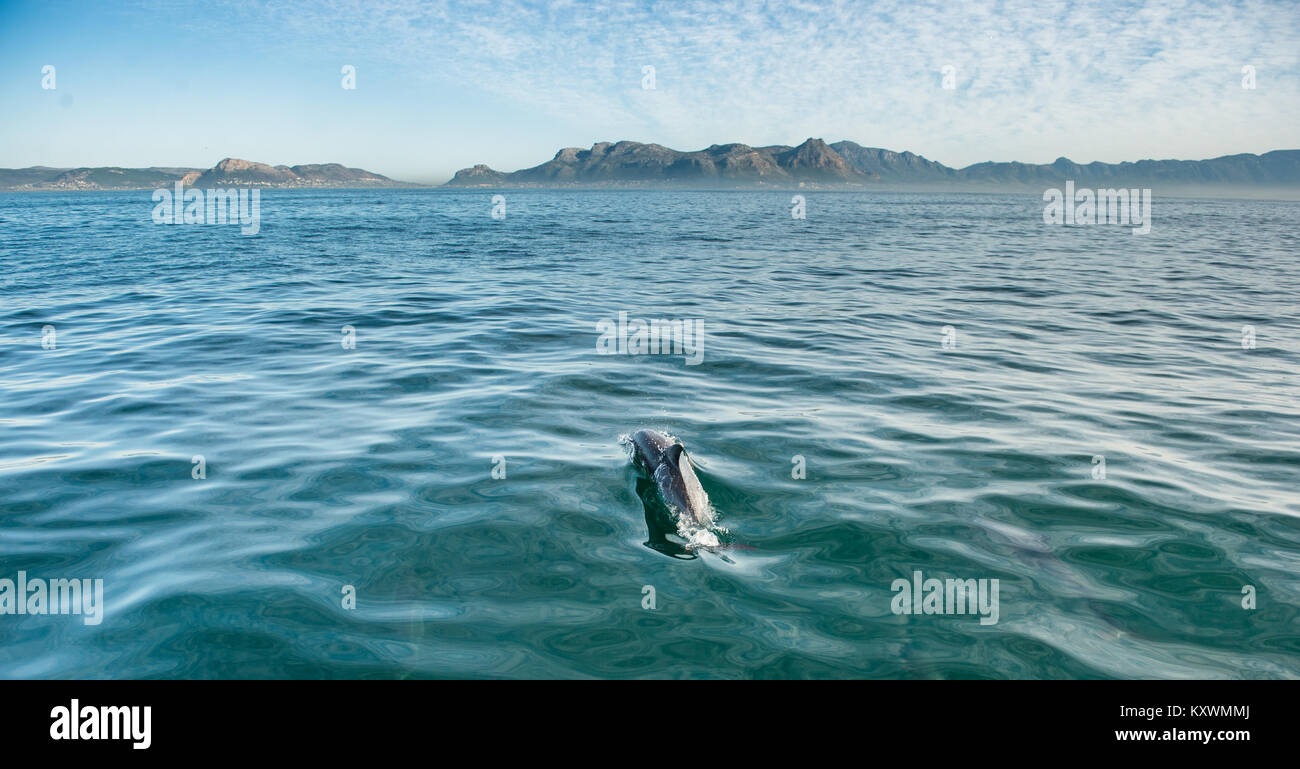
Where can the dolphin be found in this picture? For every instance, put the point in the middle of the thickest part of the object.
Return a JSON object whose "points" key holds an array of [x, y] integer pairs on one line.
{"points": [[664, 461]]}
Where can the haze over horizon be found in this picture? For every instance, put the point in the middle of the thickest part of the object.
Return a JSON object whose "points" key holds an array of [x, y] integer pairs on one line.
{"points": [[447, 85]]}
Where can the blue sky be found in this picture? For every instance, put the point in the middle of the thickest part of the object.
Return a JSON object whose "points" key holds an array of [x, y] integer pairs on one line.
{"points": [[444, 85]]}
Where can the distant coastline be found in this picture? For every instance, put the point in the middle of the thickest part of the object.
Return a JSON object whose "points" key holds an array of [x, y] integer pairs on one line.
{"points": [[231, 172], [813, 165]]}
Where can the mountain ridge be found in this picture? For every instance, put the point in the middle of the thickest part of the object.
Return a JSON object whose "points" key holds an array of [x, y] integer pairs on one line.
{"points": [[229, 172], [814, 163]]}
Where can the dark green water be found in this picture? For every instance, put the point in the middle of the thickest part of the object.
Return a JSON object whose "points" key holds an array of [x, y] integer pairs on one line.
{"points": [[823, 339]]}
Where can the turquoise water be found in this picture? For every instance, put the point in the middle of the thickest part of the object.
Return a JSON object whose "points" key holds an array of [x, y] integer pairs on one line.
{"points": [[475, 339]]}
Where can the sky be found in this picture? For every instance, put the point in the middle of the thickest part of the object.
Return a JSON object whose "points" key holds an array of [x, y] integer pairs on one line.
{"points": [[445, 85]]}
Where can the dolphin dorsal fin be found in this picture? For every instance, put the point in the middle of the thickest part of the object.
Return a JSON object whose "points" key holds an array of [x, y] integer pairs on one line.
{"points": [[673, 454]]}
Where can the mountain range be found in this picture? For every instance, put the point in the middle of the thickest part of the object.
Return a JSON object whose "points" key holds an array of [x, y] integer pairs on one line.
{"points": [[230, 172], [814, 164], [817, 164]]}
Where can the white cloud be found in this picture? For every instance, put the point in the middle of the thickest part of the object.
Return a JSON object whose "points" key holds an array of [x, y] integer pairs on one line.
{"points": [[1093, 80]]}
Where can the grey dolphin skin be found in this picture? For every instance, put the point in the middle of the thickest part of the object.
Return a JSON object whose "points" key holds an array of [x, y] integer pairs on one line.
{"points": [[664, 460]]}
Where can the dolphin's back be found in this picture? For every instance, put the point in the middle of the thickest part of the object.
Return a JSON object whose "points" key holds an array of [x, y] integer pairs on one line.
{"points": [[666, 463]]}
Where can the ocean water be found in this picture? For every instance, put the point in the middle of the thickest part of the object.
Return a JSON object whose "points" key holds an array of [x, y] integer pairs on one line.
{"points": [[968, 453]]}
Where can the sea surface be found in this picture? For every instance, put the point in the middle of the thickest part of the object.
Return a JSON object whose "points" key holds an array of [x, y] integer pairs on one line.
{"points": [[455, 458]]}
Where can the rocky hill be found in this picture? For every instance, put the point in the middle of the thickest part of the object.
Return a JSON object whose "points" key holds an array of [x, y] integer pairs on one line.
{"points": [[230, 172], [814, 163]]}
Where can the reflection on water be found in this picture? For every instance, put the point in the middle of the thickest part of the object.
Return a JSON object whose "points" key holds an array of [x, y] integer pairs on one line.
{"points": [[659, 521], [372, 467]]}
